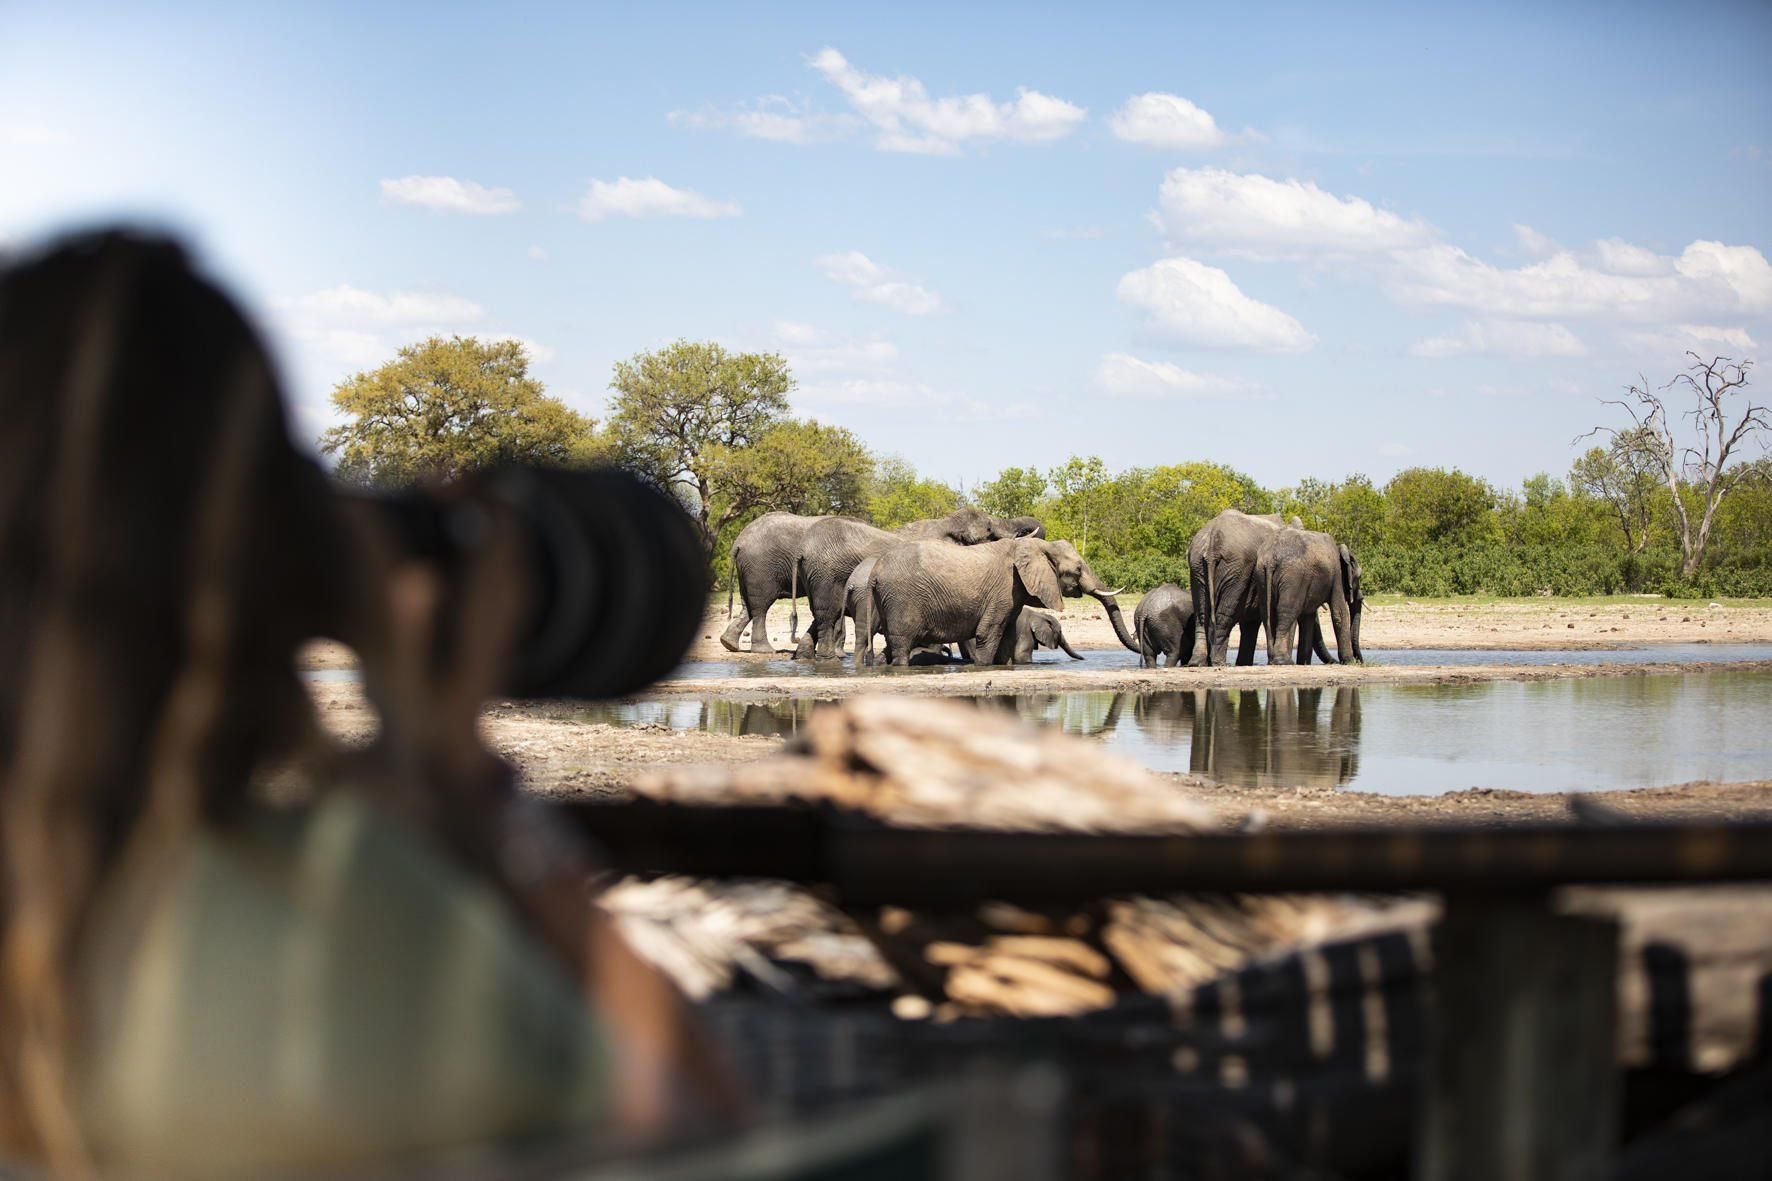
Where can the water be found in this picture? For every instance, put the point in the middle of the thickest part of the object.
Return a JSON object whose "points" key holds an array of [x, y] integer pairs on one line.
{"points": [[1109, 658], [1575, 734], [1106, 658]]}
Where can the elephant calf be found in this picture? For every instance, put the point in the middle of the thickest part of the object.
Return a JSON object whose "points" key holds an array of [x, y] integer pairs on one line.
{"points": [[1035, 628], [1163, 624], [1298, 572]]}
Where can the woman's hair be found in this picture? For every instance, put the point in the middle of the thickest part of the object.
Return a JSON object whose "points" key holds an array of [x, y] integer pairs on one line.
{"points": [[158, 538]]}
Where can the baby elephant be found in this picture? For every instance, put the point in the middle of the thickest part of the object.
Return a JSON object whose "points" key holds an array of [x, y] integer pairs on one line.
{"points": [[1164, 625], [1035, 628]]}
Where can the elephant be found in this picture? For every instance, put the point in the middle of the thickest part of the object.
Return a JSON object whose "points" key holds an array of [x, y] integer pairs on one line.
{"points": [[1036, 628], [932, 592], [1298, 571], [1221, 576], [1163, 624], [832, 549], [762, 572]]}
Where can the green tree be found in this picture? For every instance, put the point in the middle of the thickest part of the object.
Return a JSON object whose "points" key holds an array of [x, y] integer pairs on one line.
{"points": [[1623, 476], [1016, 492], [680, 410], [899, 495], [1077, 485], [801, 467], [443, 407], [1432, 504], [1354, 511]]}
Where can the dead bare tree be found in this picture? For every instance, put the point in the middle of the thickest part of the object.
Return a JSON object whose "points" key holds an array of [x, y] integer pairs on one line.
{"points": [[1702, 466]]}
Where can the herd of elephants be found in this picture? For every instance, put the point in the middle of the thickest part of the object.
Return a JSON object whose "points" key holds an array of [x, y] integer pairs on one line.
{"points": [[993, 587]]}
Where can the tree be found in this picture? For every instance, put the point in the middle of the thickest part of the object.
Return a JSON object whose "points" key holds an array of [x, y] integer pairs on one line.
{"points": [[899, 495], [795, 467], [1701, 466], [1354, 512], [1014, 493], [681, 410], [1624, 477], [1077, 484], [1425, 504], [445, 407]]}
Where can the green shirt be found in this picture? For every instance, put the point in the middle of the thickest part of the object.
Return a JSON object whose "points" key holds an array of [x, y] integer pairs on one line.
{"points": [[319, 988]]}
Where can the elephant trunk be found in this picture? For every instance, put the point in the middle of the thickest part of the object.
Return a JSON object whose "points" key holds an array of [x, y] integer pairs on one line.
{"points": [[1354, 629], [1118, 619]]}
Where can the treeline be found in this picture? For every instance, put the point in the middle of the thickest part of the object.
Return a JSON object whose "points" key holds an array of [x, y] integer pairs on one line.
{"points": [[716, 428]]}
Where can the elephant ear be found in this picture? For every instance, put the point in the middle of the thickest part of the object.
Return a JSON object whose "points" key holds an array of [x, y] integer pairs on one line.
{"points": [[1038, 577], [1350, 576]]}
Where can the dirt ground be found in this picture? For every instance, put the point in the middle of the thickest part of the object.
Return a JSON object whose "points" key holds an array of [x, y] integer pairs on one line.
{"points": [[1444, 623]]}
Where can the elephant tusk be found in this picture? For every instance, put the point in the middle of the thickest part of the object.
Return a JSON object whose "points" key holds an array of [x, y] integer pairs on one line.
{"points": [[1113, 592]]}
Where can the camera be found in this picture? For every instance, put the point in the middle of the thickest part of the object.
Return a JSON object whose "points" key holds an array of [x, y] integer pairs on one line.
{"points": [[617, 577]]}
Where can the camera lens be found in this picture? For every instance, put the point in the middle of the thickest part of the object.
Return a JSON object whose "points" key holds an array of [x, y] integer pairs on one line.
{"points": [[619, 577]]}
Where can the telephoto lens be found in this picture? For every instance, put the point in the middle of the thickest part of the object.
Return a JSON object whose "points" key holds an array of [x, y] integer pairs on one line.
{"points": [[617, 577]]}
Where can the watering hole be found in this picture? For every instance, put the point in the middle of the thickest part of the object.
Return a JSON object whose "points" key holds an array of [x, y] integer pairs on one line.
{"points": [[1402, 739]]}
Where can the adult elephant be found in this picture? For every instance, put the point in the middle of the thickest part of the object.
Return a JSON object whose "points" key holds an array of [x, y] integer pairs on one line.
{"points": [[1163, 625], [1034, 628], [762, 572], [832, 549], [931, 592], [1300, 571], [1221, 576]]}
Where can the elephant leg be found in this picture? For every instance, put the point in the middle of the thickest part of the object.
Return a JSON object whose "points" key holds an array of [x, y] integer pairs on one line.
{"points": [[806, 647], [1342, 619], [898, 649], [1248, 631], [1307, 637], [735, 629], [827, 619], [1317, 644], [758, 612]]}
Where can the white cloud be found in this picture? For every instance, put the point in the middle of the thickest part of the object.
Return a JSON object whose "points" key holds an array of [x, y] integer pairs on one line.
{"points": [[1191, 301], [33, 135], [345, 328], [1707, 339], [868, 280], [649, 197], [1165, 121], [772, 117], [537, 253], [906, 119], [448, 195], [1504, 338], [345, 302], [1265, 218], [1707, 278], [1125, 376], [811, 351], [539, 354], [1534, 243]]}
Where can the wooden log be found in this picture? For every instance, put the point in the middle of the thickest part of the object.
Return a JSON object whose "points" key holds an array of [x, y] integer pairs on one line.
{"points": [[1522, 1080]]}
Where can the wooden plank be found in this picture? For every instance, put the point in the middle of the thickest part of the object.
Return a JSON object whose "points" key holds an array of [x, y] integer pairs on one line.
{"points": [[1522, 1081]]}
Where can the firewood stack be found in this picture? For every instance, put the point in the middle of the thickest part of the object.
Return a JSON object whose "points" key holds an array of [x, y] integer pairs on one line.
{"points": [[924, 763]]}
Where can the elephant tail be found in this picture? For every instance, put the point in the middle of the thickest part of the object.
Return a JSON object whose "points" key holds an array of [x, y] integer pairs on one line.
{"points": [[1269, 620], [794, 600], [1207, 613], [731, 581]]}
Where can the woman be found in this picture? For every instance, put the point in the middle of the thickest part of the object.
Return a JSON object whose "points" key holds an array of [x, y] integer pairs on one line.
{"points": [[193, 981]]}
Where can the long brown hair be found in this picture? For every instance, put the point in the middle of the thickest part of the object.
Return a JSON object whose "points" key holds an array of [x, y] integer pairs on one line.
{"points": [[156, 529]]}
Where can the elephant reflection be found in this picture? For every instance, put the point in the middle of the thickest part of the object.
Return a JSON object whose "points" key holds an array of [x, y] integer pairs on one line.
{"points": [[1255, 737], [1277, 737], [773, 719]]}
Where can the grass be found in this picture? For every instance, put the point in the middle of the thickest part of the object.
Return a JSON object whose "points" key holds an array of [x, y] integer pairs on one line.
{"points": [[1555, 601]]}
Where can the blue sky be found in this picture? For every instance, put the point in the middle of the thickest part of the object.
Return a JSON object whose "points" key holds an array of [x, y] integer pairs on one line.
{"points": [[1307, 240]]}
